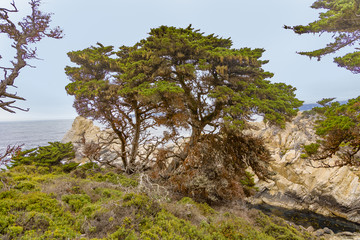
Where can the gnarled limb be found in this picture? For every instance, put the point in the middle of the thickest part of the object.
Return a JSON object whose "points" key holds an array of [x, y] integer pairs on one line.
{"points": [[30, 30]]}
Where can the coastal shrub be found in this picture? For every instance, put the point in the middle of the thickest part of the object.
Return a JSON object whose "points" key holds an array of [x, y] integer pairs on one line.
{"points": [[204, 208], [115, 178], [45, 156], [76, 201], [89, 166], [311, 149], [14, 231], [281, 231], [58, 205], [167, 226], [142, 203], [123, 233], [25, 186], [36, 213], [108, 193], [68, 167]]}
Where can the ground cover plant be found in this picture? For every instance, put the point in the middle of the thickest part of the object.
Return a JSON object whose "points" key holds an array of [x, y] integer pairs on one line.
{"points": [[89, 202]]}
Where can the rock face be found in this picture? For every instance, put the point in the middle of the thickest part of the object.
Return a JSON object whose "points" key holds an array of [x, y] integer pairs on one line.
{"points": [[297, 184], [84, 132], [82, 127]]}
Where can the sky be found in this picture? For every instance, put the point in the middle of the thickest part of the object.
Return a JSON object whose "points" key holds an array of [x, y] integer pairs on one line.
{"points": [[255, 24]]}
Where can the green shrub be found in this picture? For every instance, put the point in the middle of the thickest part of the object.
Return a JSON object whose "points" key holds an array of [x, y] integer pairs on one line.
{"points": [[69, 166], [280, 231], [15, 231], [115, 179], [203, 207], [25, 186], [311, 148], [89, 165], [46, 156], [123, 233], [133, 199], [76, 201], [107, 211]]}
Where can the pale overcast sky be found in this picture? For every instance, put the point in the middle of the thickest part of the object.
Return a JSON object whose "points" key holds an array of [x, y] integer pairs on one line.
{"points": [[255, 24]]}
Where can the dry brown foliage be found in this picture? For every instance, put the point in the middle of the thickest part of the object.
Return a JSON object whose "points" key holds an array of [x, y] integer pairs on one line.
{"points": [[215, 169]]}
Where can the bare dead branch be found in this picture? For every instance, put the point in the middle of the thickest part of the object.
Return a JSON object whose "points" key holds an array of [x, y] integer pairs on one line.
{"points": [[11, 150], [10, 10], [30, 30]]}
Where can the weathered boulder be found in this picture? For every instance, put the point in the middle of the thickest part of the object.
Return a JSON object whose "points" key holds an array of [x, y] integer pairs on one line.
{"points": [[301, 185]]}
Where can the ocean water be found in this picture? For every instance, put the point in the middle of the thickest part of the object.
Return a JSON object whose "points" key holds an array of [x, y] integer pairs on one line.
{"points": [[32, 133], [39, 133]]}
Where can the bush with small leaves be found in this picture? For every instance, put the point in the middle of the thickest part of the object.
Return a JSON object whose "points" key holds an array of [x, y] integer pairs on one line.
{"points": [[76, 201], [46, 156]]}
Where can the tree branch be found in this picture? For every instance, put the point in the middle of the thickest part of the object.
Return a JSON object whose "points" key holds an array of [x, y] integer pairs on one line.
{"points": [[32, 29]]}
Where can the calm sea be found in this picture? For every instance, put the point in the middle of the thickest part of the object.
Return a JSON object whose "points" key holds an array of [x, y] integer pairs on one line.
{"points": [[32, 133], [39, 133]]}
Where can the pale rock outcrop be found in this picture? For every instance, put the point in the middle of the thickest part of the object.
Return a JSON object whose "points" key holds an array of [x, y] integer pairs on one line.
{"points": [[83, 131], [300, 185], [82, 127]]}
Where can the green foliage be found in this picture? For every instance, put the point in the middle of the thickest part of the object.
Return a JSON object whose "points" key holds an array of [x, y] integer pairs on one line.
{"points": [[68, 167], [115, 179], [281, 230], [341, 19], [248, 183], [76, 201], [178, 78], [338, 125], [123, 233], [89, 166], [31, 211], [230, 83], [203, 207], [312, 148], [25, 186], [75, 208], [46, 156]]}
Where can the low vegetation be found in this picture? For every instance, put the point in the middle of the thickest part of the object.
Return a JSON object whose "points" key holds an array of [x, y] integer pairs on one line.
{"points": [[87, 202]]}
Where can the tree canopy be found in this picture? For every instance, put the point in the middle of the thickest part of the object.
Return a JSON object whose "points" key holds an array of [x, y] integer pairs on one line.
{"points": [[105, 86], [341, 18], [218, 85], [338, 126], [178, 78], [30, 30]]}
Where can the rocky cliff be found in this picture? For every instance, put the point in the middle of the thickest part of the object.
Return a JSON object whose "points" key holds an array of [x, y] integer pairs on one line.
{"points": [[301, 185]]}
